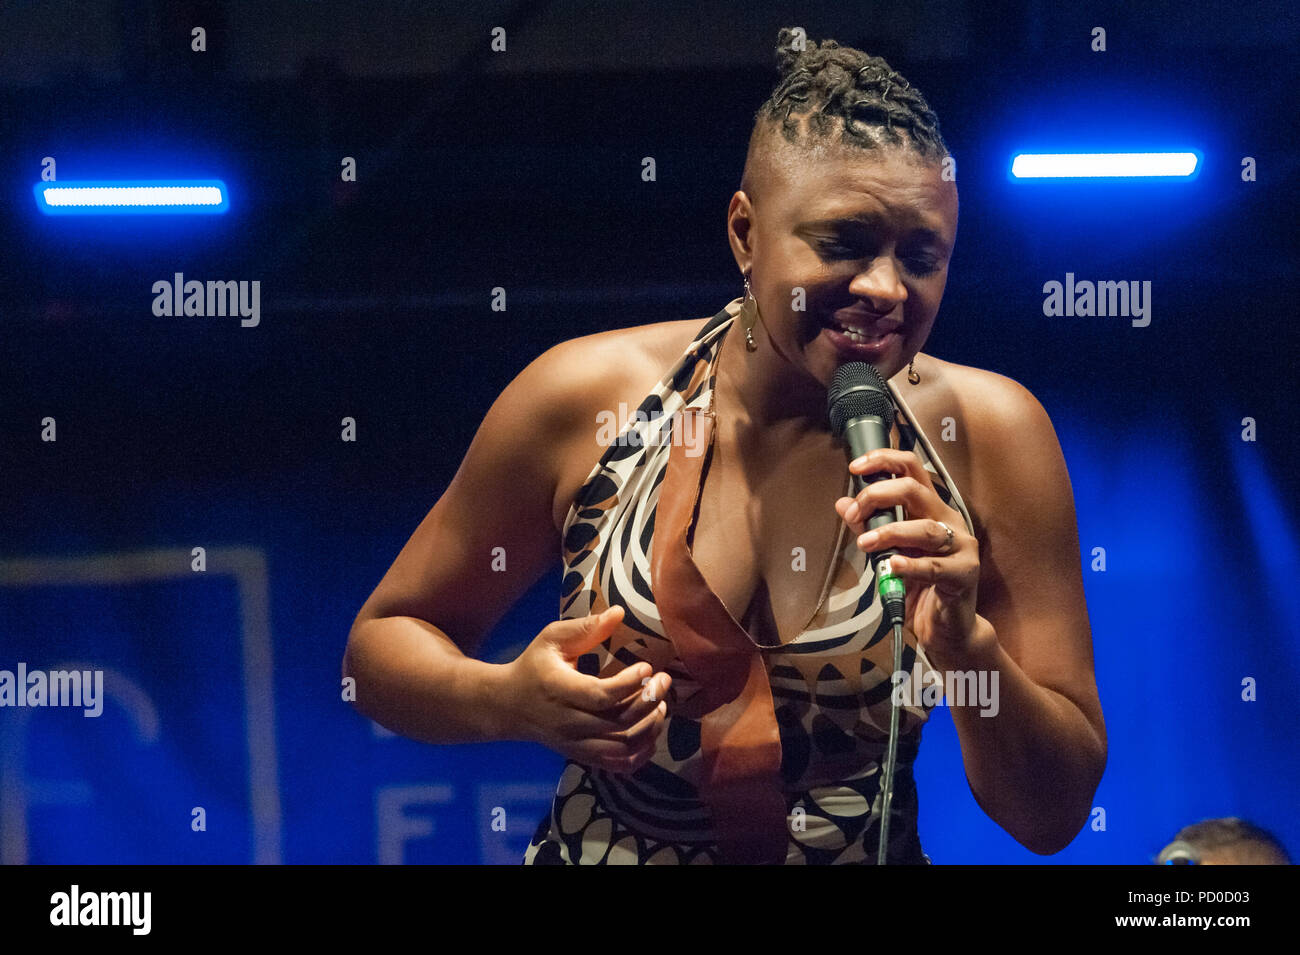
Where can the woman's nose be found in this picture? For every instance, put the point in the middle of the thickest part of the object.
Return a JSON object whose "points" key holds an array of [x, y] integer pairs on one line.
{"points": [[880, 284]]}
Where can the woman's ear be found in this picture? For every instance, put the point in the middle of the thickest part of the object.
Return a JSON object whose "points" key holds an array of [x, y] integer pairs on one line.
{"points": [[740, 220]]}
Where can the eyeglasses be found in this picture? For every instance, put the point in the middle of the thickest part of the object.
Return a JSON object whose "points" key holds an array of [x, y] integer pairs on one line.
{"points": [[1178, 853]]}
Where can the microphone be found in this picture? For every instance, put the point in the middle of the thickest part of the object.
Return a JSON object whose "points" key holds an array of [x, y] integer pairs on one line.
{"points": [[862, 414]]}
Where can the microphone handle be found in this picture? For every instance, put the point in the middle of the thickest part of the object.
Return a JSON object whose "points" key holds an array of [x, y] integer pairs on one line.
{"points": [[863, 435]]}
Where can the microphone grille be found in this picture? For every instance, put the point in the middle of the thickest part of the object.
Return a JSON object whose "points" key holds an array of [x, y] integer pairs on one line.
{"points": [[857, 390]]}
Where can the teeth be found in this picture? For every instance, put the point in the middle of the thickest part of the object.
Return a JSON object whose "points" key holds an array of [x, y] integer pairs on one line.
{"points": [[857, 336]]}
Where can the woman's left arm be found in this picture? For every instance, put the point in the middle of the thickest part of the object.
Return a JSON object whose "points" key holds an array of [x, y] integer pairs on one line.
{"points": [[1034, 760], [1033, 767]]}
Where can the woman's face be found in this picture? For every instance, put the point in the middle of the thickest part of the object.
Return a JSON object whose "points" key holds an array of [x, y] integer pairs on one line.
{"points": [[867, 237]]}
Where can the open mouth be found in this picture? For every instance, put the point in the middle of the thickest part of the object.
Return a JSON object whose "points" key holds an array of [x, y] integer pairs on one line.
{"points": [[857, 335]]}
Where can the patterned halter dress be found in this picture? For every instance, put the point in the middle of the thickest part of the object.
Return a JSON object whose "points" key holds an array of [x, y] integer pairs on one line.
{"points": [[769, 754]]}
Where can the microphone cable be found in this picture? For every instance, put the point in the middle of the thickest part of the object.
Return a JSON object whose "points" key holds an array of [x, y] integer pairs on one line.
{"points": [[892, 595]]}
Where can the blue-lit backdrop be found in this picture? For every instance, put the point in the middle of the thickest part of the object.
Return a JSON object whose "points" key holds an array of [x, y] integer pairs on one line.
{"points": [[177, 432]]}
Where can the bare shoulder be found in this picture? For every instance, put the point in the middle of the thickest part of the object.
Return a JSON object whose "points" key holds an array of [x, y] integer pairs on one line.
{"points": [[534, 448], [573, 380], [571, 383], [1004, 444], [988, 402]]}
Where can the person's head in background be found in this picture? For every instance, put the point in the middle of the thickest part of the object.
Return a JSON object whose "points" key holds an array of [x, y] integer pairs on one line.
{"points": [[1228, 841]]}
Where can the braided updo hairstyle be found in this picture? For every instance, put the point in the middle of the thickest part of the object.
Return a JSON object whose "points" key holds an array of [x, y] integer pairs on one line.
{"points": [[827, 86]]}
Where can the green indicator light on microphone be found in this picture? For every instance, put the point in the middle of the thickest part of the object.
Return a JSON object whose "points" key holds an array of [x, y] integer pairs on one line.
{"points": [[889, 585]]}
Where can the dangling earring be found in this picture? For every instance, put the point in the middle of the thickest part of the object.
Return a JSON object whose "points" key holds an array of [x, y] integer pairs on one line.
{"points": [[912, 376], [750, 344]]}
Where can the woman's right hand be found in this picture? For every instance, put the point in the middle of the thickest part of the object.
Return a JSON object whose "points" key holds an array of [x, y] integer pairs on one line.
{"points": [[611, 723]]}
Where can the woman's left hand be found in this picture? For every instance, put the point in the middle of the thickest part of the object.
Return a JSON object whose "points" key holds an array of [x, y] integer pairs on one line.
{"points": [[941, 578]]}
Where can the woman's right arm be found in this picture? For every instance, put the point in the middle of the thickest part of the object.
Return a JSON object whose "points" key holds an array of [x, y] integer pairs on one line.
{"points": [[411, 646]]}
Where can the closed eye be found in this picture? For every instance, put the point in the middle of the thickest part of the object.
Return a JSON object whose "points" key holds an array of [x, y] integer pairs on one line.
{"points": [[921, 265], [918, 265], [836, 250]]}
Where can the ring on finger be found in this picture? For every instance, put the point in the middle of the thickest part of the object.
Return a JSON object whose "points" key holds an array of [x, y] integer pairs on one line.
{"points": [[946, 546]]}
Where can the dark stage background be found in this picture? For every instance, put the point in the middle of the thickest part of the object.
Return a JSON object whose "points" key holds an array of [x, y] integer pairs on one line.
{"points": [[522, 170]]}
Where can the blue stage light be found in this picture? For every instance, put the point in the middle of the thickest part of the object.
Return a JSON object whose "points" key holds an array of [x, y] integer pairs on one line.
{"points": [[169, 197], [1145, 165]]}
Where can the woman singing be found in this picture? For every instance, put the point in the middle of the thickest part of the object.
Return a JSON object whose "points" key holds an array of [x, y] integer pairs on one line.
{"points": [[720, 678]]}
